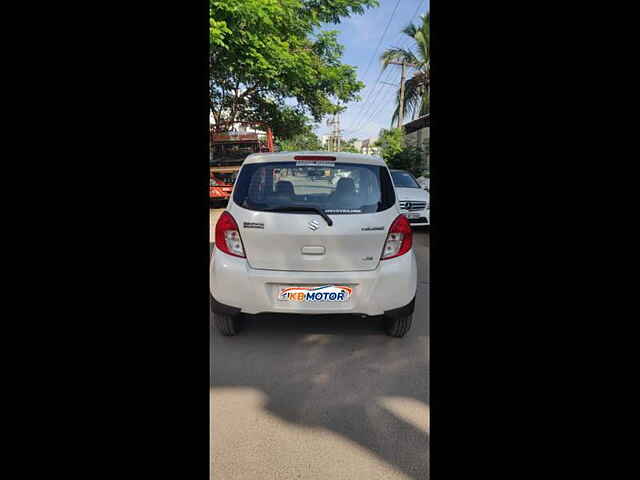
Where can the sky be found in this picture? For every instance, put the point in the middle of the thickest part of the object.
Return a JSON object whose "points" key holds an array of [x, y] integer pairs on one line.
{"points": [[360, 35]]}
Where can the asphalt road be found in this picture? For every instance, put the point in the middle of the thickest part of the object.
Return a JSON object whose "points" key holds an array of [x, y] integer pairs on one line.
{"points": [[322, 398]]}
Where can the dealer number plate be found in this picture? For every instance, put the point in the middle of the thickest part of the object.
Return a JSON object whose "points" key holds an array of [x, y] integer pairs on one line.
{"points": [[319, 294]]}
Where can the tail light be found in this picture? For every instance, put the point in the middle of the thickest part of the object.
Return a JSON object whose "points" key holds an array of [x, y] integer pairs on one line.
{"points": [[228, 236], [399, 239]]}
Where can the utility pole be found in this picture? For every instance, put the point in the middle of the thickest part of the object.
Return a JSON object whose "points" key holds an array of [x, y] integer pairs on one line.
{"points": [[402, 80], [401, 116], [334, 138], [330, 146]]}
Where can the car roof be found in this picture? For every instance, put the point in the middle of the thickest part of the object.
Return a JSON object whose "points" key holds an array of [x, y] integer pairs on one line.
{"points": [[344, 157]]}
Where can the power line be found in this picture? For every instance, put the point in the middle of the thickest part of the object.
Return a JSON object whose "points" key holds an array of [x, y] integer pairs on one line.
{"points": [[381, 38], [373, 100], [371, 108], [373, 55], [375, 113], [417, 9], [370, 102], [377, 107], [365, 106]]}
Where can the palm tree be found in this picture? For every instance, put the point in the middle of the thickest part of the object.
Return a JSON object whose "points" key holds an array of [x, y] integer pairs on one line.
{"points": [[417, 86]]}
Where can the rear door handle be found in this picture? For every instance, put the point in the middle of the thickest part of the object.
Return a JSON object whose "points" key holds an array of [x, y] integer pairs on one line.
{"points": [[313, 250]]}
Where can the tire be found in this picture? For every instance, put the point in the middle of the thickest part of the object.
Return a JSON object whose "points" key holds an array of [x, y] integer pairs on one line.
{"points": [[398, 326], [226, 324]]}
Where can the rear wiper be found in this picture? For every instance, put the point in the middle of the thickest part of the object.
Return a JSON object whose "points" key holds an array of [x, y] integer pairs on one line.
{"points": [[301, 208]]}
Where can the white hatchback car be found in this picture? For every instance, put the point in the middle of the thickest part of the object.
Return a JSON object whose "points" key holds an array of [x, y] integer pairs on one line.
{"points": [[414, 200], [293, 240]]}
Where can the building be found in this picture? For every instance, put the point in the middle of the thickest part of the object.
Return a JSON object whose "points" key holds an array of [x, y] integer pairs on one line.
{"points": [[366, 147], [417, 135], [238, 126]]}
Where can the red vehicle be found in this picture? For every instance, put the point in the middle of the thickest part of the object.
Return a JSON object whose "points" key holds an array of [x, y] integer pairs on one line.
{"points": [[219, 190], [232, 143], [221, 184]]}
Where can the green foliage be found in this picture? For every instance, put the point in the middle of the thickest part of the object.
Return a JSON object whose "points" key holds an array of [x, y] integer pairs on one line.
{"points": [[284, 120], [410, 159], [348, 146], [265, 51], [397, 154], [305, 141], [217, 32], [391, 142]]}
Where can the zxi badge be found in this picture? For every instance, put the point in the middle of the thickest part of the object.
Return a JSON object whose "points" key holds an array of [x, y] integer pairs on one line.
{"points": [[314, 224]]}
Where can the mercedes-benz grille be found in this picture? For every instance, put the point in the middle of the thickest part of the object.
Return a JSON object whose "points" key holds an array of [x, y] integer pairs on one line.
{"points": [[412, 206]]}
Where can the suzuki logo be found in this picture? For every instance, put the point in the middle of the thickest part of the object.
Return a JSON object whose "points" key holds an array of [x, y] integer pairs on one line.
{"points": [[314, 224]]}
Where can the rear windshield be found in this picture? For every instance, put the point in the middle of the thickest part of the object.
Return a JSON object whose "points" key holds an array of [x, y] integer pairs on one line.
{"points": [[404, 180], [342, 188]]}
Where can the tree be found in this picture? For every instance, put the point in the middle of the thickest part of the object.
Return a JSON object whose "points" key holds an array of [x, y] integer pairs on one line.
{"points": [[263, 52], [397, 154], [409, 158], [391, 142], [349, 146], [417, 86], [305, 141]]}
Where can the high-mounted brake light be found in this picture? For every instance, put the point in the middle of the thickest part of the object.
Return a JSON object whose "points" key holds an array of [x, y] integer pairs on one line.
{"points": [[321, 158], [399, 239], [228, 236]]}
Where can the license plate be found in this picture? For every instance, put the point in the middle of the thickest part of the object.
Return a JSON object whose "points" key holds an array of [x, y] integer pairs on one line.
{"points": [[412, 215], [319, 294]]}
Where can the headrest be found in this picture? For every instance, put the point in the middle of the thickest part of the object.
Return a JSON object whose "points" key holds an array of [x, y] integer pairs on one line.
{"points": [[345, 186], [284, 187]]}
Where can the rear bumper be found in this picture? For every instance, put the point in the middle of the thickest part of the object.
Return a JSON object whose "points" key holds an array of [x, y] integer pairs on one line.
{"points": [[422, 220], [222, 309], [419, 222], [235, 288]]}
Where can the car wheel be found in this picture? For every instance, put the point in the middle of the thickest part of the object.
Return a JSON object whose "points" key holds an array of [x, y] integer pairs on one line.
{"points": [[226, 324], [398, 326]]}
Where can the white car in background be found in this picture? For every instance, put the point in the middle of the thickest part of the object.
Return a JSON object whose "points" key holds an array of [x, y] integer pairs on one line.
{"points": [[292, 241], [414, 200], [423, 182]]}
